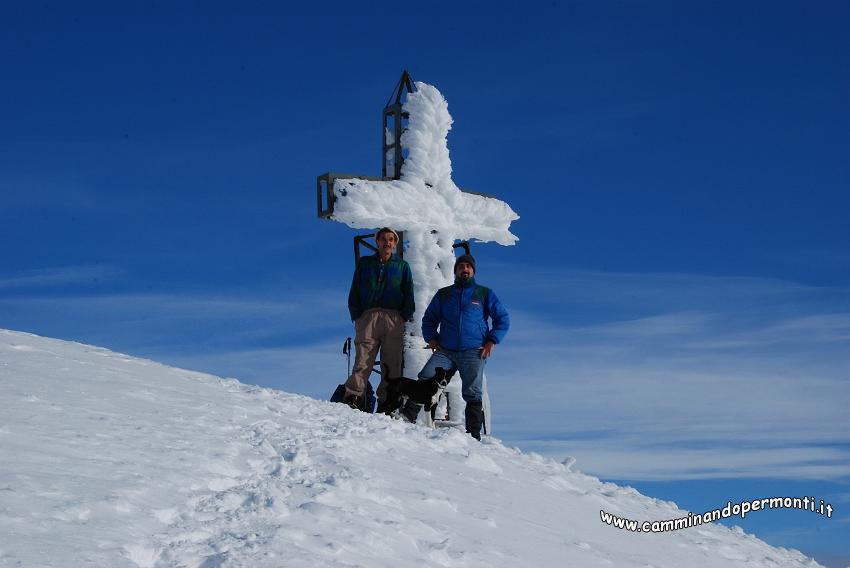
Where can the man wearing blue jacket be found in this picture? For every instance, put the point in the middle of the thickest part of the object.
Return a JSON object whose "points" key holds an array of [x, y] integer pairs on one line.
{"points": [[456, 329]]}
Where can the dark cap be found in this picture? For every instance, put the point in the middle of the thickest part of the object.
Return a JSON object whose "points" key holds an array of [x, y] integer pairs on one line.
{"points": [[468, 259]]}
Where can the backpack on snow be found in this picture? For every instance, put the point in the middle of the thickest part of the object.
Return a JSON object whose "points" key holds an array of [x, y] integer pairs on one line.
{"points": [[369, 398]]}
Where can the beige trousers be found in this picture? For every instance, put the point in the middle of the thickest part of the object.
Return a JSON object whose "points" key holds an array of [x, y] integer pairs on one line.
{"points": [[382, 329]]}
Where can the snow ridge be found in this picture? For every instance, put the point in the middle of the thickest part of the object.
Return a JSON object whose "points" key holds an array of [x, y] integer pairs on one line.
{"points": [[108, 460]]}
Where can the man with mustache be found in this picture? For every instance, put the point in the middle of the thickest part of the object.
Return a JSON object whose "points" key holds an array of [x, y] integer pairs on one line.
{"points": [[380, 301]]}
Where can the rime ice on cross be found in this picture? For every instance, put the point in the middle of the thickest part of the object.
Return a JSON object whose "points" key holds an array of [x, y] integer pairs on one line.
{"points": [[426, 204]]}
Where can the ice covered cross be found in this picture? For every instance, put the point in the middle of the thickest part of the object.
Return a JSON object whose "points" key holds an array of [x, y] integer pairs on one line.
{"points": [[427, 205]]}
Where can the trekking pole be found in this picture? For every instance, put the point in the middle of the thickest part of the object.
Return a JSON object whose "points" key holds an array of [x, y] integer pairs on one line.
{"points": [[346, 349]]}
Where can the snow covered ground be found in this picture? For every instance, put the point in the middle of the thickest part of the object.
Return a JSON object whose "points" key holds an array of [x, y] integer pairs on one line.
{"points": [[108, 460]]}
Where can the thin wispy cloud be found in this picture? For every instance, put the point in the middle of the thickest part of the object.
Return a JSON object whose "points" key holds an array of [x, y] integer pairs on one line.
{"points": [[815, 258], [659, 291], [631, 459], [46, 192], [88, 274], [143, 323], [178, 306]]}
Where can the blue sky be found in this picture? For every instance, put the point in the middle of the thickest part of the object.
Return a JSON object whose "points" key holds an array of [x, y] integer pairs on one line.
{"points": [[680, 294]]}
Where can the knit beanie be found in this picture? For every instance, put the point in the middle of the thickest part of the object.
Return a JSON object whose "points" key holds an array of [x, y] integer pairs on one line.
{"points": [[468, 259]]}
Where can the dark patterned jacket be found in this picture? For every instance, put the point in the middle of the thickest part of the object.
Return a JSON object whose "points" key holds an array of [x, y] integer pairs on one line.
{"points": [[379, 284]]}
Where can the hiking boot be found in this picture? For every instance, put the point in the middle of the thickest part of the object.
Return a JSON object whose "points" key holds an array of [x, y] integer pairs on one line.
{"points": [[353, 401], [474, 418]]}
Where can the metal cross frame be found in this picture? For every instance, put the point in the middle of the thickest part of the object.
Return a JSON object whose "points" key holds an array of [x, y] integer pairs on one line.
{"points": [[392, 157]]}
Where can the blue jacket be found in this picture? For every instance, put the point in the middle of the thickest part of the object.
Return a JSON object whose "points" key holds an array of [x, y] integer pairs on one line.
{"points": [[379, 284], [461, 312]]}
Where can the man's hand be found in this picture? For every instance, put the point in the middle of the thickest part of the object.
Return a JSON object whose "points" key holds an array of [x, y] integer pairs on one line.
{"points": [[486, 348], [434, 345]]}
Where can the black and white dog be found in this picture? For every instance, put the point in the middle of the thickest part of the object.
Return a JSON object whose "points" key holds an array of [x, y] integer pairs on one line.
{"points": [[426, 392]]}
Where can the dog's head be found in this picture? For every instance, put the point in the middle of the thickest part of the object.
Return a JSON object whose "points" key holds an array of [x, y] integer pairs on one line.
{"points": [[443, 377], [438, 384]]}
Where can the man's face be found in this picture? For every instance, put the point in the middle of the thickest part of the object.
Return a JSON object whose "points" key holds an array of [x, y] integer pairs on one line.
{"points": [[464, 271], [386, 243]]}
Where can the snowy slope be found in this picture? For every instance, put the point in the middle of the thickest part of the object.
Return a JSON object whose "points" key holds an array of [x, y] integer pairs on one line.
{"points": [[107, 460]]}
